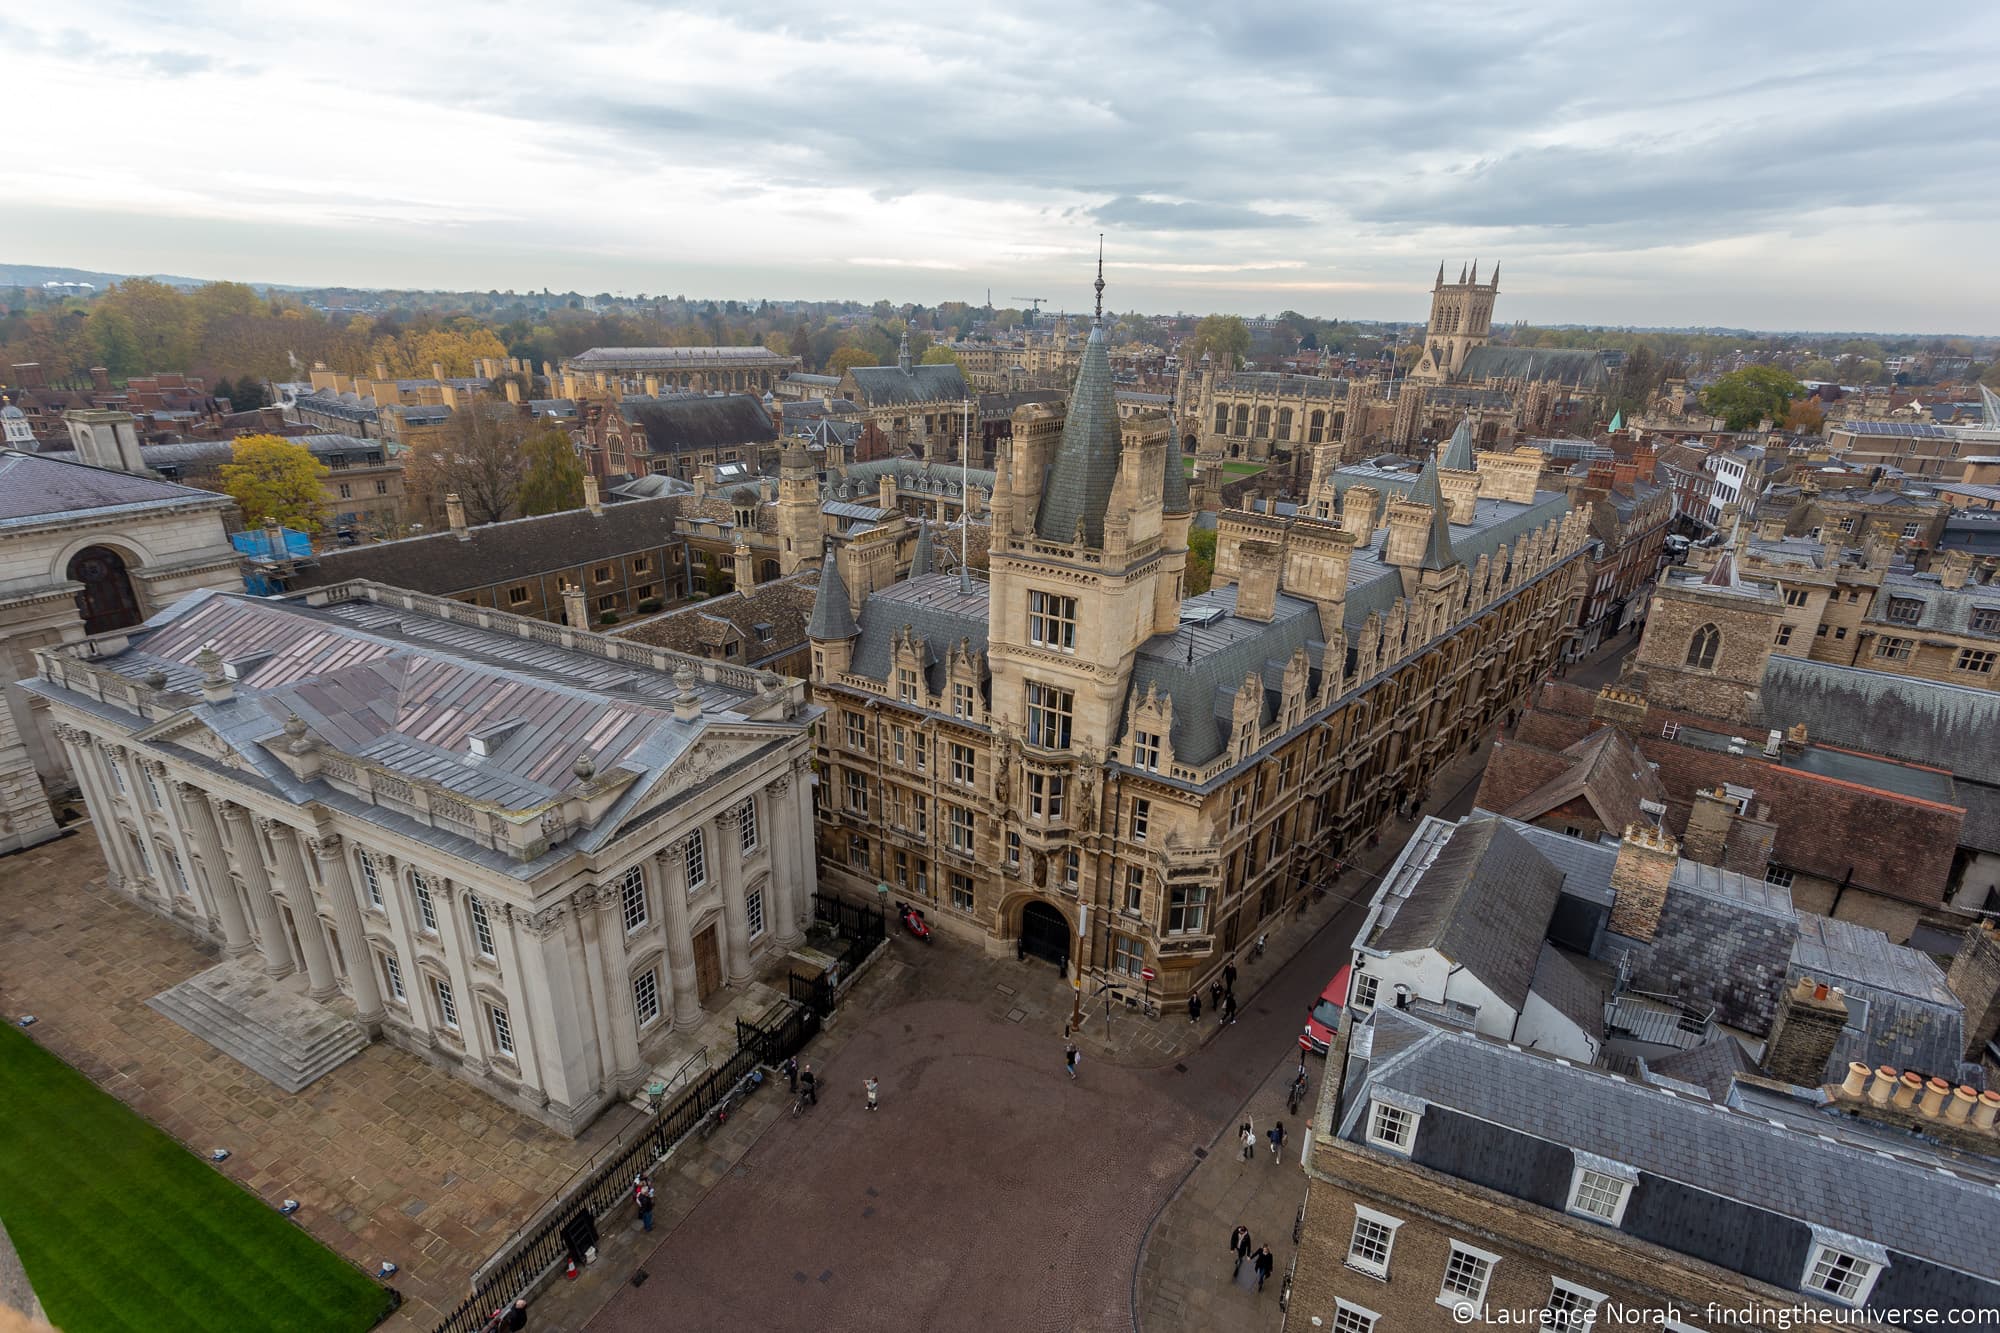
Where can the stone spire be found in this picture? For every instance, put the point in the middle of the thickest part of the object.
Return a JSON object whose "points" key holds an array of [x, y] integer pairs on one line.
{"points": [[923, 561], [1174, 488], [1437, 548], [1458, 453], [831, 618], [903, 354]]}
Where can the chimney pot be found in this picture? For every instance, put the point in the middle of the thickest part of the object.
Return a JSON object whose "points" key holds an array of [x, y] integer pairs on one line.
{"points": [[1885, 1083], [1857, 1079], [1935, 1092], [1988, 1109], [1960, 1106], [1819, 991], [1907, 1088]]}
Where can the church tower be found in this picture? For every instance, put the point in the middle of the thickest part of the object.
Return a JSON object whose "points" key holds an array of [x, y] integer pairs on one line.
{"points": [[1461, 319], [798, 508]]}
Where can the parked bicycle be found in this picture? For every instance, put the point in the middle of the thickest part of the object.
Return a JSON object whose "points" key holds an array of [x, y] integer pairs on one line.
{"points": [[1298, 1093]]}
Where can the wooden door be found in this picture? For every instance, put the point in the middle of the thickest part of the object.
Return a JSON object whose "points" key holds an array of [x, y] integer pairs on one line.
{"points": [[707, 964]]}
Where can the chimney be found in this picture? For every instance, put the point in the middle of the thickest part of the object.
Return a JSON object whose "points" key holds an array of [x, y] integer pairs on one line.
{"points": [[454, 512], [100, 379], [1624, 474], [1956, 568], [574, 614], [1810, 1018], [1600, 476], [437, 371], [746, 573], [1932, 1102], [1708, 826], [1645, 867], [592, 500], [1409, 533], [1619, 707], [1642, 462], [1360, 511], [513, 391], [215, 686], [1975, 979], [1257, 580]]}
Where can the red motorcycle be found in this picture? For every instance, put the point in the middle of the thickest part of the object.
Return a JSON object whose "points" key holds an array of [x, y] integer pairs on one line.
{"points": [[913, 921]]}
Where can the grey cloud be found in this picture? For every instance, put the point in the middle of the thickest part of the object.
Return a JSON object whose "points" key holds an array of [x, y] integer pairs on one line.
{"points": [[1160, 215]]}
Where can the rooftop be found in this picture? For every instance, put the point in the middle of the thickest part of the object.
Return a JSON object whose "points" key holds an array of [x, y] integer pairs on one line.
{"points": [[35, 489]]}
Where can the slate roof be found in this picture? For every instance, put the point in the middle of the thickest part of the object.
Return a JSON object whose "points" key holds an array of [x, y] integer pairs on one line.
{"points": [[1604, 768], [1579, 368], [934, 609], [1078, 488], [1484, 903], [442, 563], [1723, 942], [1281, 384], [675, 358], [1174, 490], [1437, 545], [1924, 721], [780, 607], [700, 421], [35, 488], [893, 386], [1203, 682], [1569, 990], [1944, 611], [197, 453], [1711, 1066], [921, 560], [1901, 1203], [1913, 1020], [1458, 453]]}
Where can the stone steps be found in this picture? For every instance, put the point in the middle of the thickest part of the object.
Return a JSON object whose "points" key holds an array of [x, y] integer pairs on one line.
{"points": [[262, 1023]]}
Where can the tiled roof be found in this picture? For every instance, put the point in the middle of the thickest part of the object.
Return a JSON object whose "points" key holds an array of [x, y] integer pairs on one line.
{"points": [[701, 421], [781, 607], [1576, 367], [1605, 769], [35, 488], [1944, 611], [1712, 1066], [1924, 721], [890, 386], [1913, 1020], [1202, 665], [443, 563], [1569, 990], [675, 358], [1484, 903], [1078, 487]]}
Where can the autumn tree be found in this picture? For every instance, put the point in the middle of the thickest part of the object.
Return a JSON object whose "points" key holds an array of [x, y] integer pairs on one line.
{"points": [[273, 479], [937, 354], [1225, 337], [1200, 560], [1742, 398], [845, 359], [554, 477], [477, 456], [1805, 416]]}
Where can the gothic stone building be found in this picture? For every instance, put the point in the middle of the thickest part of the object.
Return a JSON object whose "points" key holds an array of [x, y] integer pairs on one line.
{"points": [[1077, 759], [521, 852]]}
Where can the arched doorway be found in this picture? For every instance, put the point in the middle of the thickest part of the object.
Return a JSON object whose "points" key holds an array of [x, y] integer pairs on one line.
{"points": [[1044, 932], [107, 601]]}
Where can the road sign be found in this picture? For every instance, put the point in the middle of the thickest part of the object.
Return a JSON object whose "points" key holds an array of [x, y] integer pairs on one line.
{"points": [[1147, 974]]}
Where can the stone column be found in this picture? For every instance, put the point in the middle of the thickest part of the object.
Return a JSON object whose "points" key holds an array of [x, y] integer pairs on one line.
{"points": [[97, 798], [331, 854], [305, 910], [508, 945], [735, 911], [117, 846], [806, 882], [257, 882], [672, 862], [222, 895], [780, 814], [628, 1067]]}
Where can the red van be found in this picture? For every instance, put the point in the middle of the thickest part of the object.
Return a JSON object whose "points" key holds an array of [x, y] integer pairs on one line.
{"points": [[1323, 1019]]}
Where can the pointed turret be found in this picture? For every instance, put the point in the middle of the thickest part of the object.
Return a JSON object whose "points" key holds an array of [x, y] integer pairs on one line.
{"points": [[1461, 275], [1440, 282], [1493, 283], [1437, 545], [831, 617], [1458, 453], [903, 354], [1475, 273], [1174, 487], [923, 562], [1086, 464]]}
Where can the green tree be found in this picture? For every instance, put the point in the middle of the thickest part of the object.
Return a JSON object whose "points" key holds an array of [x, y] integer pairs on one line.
{"points": [[1201, 560], [272, 478], [1744, 397], [937, 354], [845, 359], [1225, 337], [554, 480]]}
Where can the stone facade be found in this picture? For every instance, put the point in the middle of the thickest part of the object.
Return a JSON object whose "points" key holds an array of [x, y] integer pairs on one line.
{"points": [[1074, 758], [470, 847]]}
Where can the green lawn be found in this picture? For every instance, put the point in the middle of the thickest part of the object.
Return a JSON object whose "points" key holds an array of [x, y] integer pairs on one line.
{"points": [[1233, 469], [120, 1228]]}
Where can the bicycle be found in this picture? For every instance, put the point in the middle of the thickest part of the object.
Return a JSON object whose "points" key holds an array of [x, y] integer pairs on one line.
{"points": [[1299, 1225], [1298, 1093]]}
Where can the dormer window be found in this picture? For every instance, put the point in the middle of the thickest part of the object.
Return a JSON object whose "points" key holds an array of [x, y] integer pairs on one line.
{"points": [[1842, 1268], [1599, 1188], [486, 742], [1905, 610], [1392, 1123]]}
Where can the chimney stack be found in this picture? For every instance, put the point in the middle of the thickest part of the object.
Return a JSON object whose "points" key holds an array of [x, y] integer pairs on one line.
{"points": [[1810, 1018], [592, 500], [1708, 826], [1257, 580], [574, 614], [1956, 569], [746, 572], [100, 379], [1975, 979], [454, 512], [1645, 867], [1360, 511]]}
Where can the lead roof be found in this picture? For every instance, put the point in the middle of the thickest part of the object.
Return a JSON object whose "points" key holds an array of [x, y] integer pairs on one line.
{"points": [[1078, 488]]}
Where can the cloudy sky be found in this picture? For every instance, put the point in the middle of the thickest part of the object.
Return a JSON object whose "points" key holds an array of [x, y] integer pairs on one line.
{"points": [[1767, 165]]}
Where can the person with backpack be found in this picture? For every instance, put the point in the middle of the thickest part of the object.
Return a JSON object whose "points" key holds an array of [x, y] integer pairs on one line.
{"points": [[1276, 1134]]}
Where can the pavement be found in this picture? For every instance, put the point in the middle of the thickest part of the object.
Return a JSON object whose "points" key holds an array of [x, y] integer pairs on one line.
{"points": [[16, 1293]]}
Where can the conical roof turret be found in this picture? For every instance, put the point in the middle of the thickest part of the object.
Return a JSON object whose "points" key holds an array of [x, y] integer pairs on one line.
{"points": [[923, 561], [831, 618]]}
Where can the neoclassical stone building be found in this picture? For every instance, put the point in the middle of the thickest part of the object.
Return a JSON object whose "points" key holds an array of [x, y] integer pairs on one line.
{"points": [[1078, 760], [520, 851]]}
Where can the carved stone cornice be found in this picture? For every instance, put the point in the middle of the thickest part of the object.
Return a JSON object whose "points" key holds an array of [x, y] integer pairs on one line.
{"points": [[780, 785], [231, 812], [325, 846]]}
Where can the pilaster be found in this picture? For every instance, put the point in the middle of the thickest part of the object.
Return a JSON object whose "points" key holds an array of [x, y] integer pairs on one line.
{"points": [[735, 911], [330, 852], [672, 860], [257, 883]]}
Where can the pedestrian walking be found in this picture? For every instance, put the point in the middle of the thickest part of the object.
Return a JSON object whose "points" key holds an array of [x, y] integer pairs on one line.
{"points": [[1276, 1134], [1215, 995], [1264, 1264], [1194, 1006], [511, 1318], [1070, 1057], [1229, 976], [1239, 1245], [1249, 1141], [792, 1073], [645, 1201], [809, 1086], [872, 1088], [1229, 1008]]}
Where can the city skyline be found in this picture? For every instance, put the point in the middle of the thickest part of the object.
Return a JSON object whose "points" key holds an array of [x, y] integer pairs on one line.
{"points": [[1624, 171]]}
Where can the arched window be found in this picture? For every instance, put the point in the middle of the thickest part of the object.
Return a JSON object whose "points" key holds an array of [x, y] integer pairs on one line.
{"points": [[1703, 646], [106, 600], [1339, 422]]}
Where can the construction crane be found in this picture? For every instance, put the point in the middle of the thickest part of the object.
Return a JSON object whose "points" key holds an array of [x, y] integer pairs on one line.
{"points": [[1034, 304]]}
